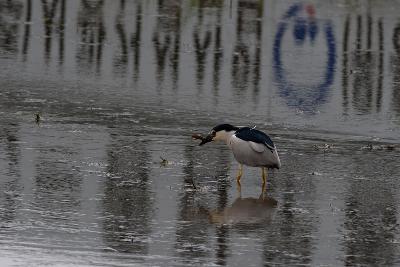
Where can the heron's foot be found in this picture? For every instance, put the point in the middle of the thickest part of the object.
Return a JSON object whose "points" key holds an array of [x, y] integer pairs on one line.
{"points": [[239, 190], [262, 195]]}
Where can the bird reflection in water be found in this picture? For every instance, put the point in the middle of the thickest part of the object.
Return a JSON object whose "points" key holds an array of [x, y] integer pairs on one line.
{"points": [[248, 210]]}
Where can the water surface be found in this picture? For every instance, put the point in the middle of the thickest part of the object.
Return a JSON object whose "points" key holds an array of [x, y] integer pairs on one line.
{"points": [[99, 100]]}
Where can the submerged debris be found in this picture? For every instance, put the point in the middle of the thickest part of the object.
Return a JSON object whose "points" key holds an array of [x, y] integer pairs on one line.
{"points": [[193, 184], [316, 173], [37, 117], [369, 147], [12, 138], [323, 147], [379, 147]]}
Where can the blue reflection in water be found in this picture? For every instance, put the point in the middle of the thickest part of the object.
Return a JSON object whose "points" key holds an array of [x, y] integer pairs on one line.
{"points": [[305, 99]]}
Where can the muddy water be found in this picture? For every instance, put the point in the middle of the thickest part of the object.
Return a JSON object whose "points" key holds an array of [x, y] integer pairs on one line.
{"points": [[99, 99]]}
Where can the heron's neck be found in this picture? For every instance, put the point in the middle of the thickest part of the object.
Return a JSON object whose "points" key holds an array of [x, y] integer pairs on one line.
{"points": [[224, 136], [227, 137]]}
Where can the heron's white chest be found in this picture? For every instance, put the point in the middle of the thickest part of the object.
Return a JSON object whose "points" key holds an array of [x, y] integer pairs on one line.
{"points": [[242, 151]]}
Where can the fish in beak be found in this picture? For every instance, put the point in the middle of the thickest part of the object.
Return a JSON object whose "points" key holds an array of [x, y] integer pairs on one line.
{"points": [[206, 139]]}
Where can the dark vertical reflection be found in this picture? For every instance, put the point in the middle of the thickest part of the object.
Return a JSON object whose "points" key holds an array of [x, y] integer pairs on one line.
{"points": [[396, 70], [257, 54], [11, 147], [363, 82], [10, 14], [201, 45], [241, 58], [161, 48], [209, 14], [362, 94], [166, 40], [369, 32], [222, 178], [366, 66], [127, 203], [121, 57], [345, 65], [369, 239], [92, 33], [191, 230], [192, 236], [380, 66], [136, 41], [27, 31], [49, 17], [359, 33], [370, 225], [176, 50], [10, 181], [57, 186], [289, 240], [247, 52], [61, 32], [218, 52], [222, 244], [49, 13], [223, 183], [292, 236]]}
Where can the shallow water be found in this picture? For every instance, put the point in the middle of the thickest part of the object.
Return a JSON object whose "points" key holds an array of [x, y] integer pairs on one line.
{"points": [[108, 175]]}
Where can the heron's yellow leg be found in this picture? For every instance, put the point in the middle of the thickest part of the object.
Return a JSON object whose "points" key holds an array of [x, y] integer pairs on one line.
{"points": [[240, 172], [262, 195], [264, 176]]}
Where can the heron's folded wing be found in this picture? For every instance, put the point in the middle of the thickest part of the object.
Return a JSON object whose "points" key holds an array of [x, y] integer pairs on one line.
{"points": [[257, 147]]}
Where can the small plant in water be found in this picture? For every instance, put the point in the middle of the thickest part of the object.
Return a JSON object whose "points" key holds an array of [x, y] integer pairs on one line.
{"points": [[163, 162]]}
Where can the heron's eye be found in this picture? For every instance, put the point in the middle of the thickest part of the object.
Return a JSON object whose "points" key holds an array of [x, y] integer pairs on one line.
{"points": [[213, 133]]}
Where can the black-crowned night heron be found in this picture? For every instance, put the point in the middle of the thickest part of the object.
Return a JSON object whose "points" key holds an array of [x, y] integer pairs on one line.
{"points": [[249, 146]]}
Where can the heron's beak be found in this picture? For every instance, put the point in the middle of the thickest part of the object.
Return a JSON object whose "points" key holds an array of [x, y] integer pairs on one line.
{"points": [[207, 139]]}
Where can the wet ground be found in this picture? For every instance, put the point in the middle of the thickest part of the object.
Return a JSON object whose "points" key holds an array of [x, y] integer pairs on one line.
{"points": [[98, 101]]}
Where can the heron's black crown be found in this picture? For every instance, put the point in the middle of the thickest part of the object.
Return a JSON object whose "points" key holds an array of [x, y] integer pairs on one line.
{"points": [[226, 127]]}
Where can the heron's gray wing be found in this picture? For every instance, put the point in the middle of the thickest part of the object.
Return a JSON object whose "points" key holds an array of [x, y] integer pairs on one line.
{"points": [[257, 147]]}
